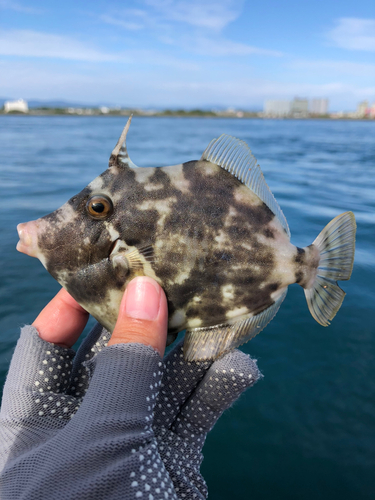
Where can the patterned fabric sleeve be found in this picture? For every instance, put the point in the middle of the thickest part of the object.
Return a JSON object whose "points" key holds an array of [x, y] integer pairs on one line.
{"points": [[110, 422]]}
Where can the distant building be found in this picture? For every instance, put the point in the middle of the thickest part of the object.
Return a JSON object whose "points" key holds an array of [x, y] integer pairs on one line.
{"points": [[277, 108], [299, 107], [19, 105], [372, 110], [319, 106], [362, 109]]}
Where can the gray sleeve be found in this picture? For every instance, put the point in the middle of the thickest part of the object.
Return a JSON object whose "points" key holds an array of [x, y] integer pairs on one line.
{"points": [[193, 396], [103, 448], [111, 422]]}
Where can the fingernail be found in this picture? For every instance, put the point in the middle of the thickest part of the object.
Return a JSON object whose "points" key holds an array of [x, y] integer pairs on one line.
{"points": [[142, 300]]}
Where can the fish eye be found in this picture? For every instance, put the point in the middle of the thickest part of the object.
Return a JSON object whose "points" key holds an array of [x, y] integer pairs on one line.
{"points": [[99, 206]]}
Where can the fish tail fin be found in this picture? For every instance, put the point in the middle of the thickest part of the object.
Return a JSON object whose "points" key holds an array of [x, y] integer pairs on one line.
{"points": [[336, 245]]}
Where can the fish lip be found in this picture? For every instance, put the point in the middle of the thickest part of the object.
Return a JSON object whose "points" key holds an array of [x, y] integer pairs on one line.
{"points": [[27, 234]]}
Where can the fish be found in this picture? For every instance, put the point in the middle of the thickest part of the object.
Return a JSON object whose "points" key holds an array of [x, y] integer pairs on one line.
{"points": [[209, 231]]}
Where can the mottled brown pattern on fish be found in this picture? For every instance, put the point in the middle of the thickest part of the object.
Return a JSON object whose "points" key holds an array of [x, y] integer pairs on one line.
{"points": [[306, 263], [268, 233], [196, 219], [300, 257], [204, 238]]}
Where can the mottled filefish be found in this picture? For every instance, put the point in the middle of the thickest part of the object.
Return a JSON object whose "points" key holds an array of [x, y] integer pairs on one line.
{"points": [[209, 231]]}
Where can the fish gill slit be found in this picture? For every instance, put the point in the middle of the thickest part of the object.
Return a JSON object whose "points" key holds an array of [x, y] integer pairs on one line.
{"points": [[112, 247]]}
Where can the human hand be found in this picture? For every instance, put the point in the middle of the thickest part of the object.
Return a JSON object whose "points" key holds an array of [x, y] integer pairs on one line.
{"points": [[143, 317], [119, 444]]}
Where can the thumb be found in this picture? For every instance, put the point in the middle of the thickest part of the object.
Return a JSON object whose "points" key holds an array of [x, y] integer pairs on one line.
{"points": [[143, 315]]}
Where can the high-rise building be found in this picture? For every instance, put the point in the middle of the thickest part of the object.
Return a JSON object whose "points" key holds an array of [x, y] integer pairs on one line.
{"points": [[362, 109], [277, 108], [299, 107], [319, 106]]}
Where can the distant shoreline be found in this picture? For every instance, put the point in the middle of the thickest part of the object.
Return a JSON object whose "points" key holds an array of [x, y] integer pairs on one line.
{"points": [[181, 114]]}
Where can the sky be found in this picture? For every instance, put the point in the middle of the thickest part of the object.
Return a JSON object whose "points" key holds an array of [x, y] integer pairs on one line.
{"points": [[188, 53]]}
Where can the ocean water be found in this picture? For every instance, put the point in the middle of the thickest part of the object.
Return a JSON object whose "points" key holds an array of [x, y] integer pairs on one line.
{"points": [[307, 429]]}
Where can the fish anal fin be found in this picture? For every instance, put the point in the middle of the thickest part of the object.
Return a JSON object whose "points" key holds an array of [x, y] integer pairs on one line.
{"points": [[212, 342], [207, 343]]}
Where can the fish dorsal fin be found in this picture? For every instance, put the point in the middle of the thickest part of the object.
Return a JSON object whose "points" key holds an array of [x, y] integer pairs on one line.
{"points": [[120, 154], [210, 343], [235, 156]]}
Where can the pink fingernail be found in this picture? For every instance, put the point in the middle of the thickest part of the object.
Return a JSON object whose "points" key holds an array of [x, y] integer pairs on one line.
{"points": [[142, 300]]}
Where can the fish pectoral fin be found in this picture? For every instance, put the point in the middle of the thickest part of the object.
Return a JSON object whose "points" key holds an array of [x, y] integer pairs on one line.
{"points": [[210, 343], [234, 156], [138, 258], [147, 251], [134, 259], [141, 257]]}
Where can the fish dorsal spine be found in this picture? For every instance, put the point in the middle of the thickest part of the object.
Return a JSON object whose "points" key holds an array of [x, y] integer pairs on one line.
{"points": [[234, 156], [120, 155]]}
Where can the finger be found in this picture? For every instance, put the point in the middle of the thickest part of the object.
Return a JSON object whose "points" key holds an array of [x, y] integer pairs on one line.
{"points": [[222, 385], [180, 378], [143, 315], [62, 321]]}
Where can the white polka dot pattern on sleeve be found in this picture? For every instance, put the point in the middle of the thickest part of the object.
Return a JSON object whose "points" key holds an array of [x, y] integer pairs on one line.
{"points": [[192, 398], [140, 427]]}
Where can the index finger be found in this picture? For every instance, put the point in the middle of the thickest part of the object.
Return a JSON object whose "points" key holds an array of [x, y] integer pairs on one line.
{"points": [[62, 321]]}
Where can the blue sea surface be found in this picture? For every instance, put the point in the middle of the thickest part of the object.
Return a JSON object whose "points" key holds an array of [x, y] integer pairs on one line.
{"points": [[307, 429]]}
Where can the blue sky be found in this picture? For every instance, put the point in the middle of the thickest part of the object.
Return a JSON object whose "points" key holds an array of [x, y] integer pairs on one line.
{"points": [[188, 53]]}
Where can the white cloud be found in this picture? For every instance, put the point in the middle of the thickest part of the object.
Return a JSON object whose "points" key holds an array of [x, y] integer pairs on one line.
{"points": [[128, 25], [154, 58], [210, 14], [193, 26], [238, 92], [354, 34], [23, 43], [113, 86], [219, 47], [250, 92], [327, 68], [26, 43]]}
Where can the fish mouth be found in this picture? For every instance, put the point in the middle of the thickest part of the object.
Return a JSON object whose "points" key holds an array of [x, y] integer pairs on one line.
{"points": [[28, 238]]}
